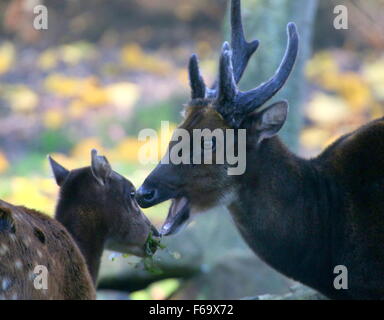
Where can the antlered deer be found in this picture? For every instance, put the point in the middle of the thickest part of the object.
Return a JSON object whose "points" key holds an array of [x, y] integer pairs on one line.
{"points": [[303, 217], [96, 210]]}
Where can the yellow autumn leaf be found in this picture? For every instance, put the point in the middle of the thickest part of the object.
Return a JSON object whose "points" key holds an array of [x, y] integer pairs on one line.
{"points": [[83, 149], [4, 165], [131, 54], [314, 138], [123, 94], [183, 77], [373, 71], [327, 110], [47, 60], [7, 56], [373, 74], [134, 58], [53, 118], [91, 93], [353, 89], [127, 150], [22, 99], [87, 89], [322, 64], [330, 81], [77, 108], [210, 65], [28, 192], [62, 85], [75, 52], [67, 162], [376, 110]]}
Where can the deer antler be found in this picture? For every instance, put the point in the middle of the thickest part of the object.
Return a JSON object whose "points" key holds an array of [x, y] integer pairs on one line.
{"points": [[198, 87], [233, 104], [227, 87], [242, 52]]}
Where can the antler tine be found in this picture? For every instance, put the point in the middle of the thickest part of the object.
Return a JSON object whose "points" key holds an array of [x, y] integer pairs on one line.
{"points": [[232, 65], [250, 100], [242, 50], [227, 88], [195, 79]]}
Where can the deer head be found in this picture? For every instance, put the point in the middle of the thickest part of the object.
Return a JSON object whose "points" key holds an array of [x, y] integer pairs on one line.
{"points": [[198, 187], [98, 203]]}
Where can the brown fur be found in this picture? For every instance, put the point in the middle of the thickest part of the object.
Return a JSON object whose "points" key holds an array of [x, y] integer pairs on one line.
{"points": [[40, 240], [205, 117], [303, 217], [96, 210]]}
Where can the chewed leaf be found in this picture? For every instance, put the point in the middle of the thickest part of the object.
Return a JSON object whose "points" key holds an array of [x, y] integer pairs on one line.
{"points": [[152, 244]]}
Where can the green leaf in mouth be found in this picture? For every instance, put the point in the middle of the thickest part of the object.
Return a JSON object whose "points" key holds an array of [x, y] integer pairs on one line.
{"points": [[152, 244]]}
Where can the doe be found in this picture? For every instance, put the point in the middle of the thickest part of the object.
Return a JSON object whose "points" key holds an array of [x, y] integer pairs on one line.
{"points": [[96, 210]]}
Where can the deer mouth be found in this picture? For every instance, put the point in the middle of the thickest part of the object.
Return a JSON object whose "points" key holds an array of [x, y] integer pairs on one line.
{"points": [[178, 215]]}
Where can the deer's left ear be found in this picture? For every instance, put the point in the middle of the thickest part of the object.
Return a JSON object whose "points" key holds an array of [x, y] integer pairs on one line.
{"points": [[268, 122], [101, 169], [58, 170]]}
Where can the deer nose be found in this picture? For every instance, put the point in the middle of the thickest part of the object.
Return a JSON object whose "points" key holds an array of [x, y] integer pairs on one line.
{"points": [[146, 197]]}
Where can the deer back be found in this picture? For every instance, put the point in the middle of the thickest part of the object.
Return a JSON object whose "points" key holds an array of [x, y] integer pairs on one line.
{"points": [[32, 243]]}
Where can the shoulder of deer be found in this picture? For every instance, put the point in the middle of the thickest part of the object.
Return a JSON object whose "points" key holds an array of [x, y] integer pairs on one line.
{"points": [[357, 151]]}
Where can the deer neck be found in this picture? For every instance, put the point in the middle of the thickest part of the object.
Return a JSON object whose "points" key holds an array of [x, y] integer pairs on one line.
{"points": [[88, 233], [282, 211]]}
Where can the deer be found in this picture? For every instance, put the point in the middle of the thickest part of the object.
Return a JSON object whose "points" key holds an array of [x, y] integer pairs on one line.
{"points": [[303, 217], [96, 210]]}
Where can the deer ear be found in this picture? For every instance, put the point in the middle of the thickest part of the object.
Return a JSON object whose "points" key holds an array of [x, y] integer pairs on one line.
{"points": [[268, 122], [101, 169], [59, 171]]}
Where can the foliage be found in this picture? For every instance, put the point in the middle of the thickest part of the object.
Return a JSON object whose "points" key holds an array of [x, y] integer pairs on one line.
{"points": [[77, 93], [344, 95]]}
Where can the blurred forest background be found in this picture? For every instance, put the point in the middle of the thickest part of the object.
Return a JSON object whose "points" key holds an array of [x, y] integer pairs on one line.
{"points": [[106, 69]]}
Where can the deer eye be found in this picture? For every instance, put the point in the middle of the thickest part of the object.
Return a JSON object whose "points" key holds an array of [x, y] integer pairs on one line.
{"points": [[133, 193]]}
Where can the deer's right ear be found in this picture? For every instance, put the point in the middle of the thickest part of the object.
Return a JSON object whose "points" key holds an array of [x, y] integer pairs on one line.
{"points": [[59, 171], [101, 169], [268, 122]]}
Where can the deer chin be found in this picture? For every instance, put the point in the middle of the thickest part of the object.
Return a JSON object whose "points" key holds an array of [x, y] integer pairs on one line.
{"points": [[178, 215], [136, 250]]}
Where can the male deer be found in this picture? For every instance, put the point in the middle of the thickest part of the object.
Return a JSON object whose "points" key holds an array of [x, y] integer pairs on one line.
{"points": [[303, 217], [96, 210]]}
